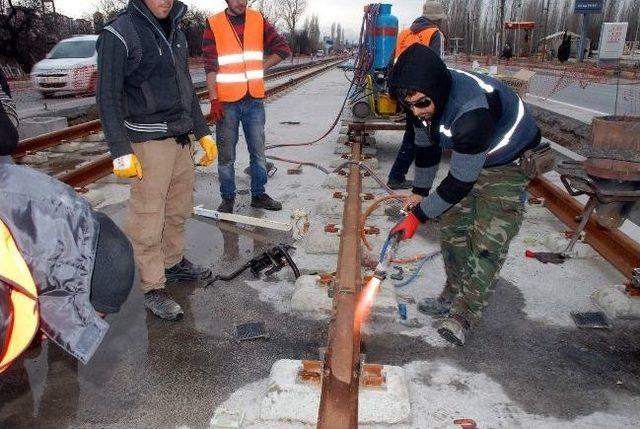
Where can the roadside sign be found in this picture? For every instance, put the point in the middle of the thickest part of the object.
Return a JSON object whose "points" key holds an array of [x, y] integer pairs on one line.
{"points": [[612, 40], [588, 6]]}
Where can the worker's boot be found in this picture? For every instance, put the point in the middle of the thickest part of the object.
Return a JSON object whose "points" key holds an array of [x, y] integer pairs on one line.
{"points": [[226, 206], [435, 307], [186, 271], [264, 201], [160, 303], [454, 329], [399, 184]]}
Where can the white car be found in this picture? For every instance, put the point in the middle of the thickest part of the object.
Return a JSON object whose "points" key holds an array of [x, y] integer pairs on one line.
{"points": [[71, 66]]}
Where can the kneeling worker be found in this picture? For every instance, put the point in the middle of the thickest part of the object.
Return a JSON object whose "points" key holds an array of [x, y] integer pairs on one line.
{"points": [[488, 129], [63, 266]]}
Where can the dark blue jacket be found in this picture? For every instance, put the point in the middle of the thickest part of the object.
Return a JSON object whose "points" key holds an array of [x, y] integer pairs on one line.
{"points": [[480, 119], [145, 90]]}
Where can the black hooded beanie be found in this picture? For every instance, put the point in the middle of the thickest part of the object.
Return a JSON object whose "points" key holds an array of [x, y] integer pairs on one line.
{"points": [[421, 69]]}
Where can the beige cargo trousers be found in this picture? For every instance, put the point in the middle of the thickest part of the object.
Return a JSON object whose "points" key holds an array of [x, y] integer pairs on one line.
{"points": [[159, 206]]}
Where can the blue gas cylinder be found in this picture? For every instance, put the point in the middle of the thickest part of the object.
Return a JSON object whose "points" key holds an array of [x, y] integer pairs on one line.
{"points": [[385, 36]]}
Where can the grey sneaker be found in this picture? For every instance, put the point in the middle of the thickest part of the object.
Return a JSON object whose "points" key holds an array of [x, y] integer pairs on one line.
{"points": [[435, 307], [160, 303], [453, 329], [226, 206]]}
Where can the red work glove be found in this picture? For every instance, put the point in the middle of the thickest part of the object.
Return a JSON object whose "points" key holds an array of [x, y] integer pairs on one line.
{"points": [[216, 110], [406, 227]]}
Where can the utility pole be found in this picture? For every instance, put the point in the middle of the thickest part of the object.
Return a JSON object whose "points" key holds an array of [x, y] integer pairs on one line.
{"points": [[501, 26], [544, 35]]}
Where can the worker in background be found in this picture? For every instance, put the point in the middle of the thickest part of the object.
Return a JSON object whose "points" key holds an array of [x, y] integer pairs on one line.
{"points": [[479, 206], [238, 46], [149, 109], [424, 30], [63, 266]]}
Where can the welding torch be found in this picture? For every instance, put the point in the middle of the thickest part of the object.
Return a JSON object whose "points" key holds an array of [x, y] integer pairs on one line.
{"points": [[388, 252]]}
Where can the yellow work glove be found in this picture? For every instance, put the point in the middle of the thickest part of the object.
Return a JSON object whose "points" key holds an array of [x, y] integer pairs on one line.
{"points": [[127, 166], [210, 151]]}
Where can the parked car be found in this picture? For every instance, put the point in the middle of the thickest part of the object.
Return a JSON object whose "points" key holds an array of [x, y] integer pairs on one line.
{"points": [[71, 66]]}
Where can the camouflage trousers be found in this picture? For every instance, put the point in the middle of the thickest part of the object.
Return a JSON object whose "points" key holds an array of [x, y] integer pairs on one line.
{"points": [[475, 238]]}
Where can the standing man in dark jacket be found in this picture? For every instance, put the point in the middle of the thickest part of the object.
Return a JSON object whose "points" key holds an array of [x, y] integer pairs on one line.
{"points": [[424, 30], [488, 129], [148, 109], [238, 45]]}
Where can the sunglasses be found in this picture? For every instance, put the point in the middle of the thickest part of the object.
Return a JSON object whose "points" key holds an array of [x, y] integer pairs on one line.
{"points": [[423, 103]]}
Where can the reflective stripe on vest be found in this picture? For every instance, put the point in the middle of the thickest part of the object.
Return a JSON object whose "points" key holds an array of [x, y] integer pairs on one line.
{"points": [[408, 38], [241, 68], [23, 294], [506, 138]]}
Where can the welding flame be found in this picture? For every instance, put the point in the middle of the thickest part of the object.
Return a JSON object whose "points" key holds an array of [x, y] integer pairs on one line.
{"points": [[367, 297]]}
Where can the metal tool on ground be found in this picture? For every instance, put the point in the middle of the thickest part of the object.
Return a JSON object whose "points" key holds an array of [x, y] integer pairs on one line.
{"points": [[251, 331], [591, 320], [547, 257], [298, 225], [273, 260]]}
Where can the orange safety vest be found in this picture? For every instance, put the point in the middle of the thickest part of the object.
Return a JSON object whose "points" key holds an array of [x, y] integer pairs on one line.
{"points": [[23, 297], [241, 68], [408, 38]]}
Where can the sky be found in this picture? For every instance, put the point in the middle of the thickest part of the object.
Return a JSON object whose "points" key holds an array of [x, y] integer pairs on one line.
{"points": [[347, 12]]}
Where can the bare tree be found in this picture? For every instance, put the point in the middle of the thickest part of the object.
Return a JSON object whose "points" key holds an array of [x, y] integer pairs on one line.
{"points": [[269, 9], [291, 11], [109, 8], [23, 34]]}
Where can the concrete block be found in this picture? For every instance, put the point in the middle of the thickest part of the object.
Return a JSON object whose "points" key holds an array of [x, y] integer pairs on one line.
{"points": [[335, 207], [369, 162], [94, 197], [310, 298], [335, 181], [558, 242], [614, 301], [70, 147], [35, 159], [35, 126], [97, 137], [318, 242], [288, 400], [341, 149], [369, 151], [385, 305]]}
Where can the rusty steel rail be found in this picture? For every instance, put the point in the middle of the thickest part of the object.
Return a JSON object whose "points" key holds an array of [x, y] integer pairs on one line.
{"points": [[75, 132], [341, 375], [87, 173], [614, 246], [55, 138]]}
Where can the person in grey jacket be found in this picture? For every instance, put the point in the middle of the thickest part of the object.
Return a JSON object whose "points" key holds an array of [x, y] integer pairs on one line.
{"points": [[149, 109], [80, 261]]}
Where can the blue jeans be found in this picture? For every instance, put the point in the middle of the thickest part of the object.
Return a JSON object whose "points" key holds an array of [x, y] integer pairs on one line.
{"points": [[405, 156], [249, 112]]}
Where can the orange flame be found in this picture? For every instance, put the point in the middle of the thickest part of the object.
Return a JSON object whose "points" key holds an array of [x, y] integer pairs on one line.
{"points": [[367, 297]]}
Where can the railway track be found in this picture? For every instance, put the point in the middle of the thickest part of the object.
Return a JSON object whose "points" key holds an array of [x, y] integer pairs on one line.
{"points": [[98, 167]]}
